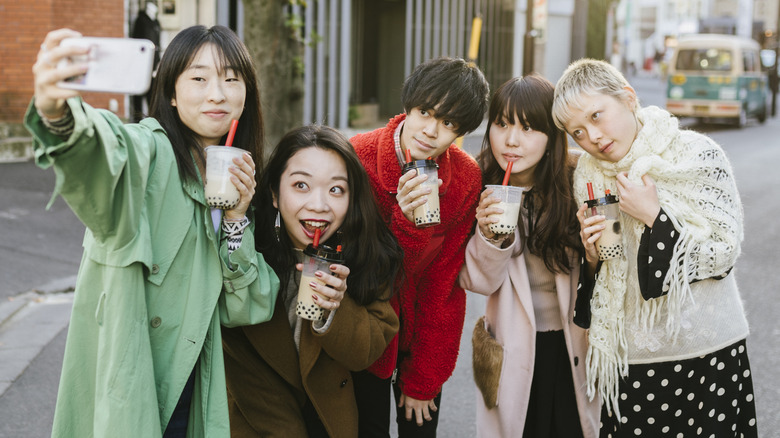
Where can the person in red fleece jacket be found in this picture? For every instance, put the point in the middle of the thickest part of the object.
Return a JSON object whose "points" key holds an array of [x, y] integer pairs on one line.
{"points": [[443, 98]]}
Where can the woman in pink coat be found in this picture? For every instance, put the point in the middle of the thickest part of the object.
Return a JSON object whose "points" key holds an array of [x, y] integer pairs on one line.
{"points": [[530, 276]]}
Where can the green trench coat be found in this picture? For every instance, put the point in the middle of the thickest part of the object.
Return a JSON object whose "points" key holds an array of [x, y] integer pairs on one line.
{"points": [[153, 286]]}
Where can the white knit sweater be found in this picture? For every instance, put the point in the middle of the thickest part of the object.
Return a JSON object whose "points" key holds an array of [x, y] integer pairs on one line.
{"points": [[697, 191]]}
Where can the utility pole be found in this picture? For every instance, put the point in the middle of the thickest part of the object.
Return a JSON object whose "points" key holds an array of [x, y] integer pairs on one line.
{"points": [[528, 41], [579, 29]]}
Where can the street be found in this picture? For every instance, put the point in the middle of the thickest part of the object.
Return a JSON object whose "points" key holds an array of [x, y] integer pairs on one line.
{"points": [[40, 252]]}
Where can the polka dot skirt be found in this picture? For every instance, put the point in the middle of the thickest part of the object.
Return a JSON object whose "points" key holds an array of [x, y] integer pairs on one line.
{"points": [[708, 396]]}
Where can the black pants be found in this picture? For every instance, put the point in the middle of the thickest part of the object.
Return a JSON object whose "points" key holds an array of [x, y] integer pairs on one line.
{"points": [[373, 399], [177, 426], [552, 407]]}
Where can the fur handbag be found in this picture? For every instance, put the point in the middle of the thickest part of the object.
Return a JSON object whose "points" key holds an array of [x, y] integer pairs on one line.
{"points": [[487, 358]]}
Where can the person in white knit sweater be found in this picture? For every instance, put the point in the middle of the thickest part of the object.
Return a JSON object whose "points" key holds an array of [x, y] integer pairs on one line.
{"points": [[529, 275], [666, 326]]}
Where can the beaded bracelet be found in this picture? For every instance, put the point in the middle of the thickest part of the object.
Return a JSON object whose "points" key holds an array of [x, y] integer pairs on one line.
{"points": [[62, 126]]}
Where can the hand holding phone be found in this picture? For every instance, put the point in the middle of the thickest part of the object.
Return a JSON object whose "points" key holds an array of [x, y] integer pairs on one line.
{"points": [[115, 65]]}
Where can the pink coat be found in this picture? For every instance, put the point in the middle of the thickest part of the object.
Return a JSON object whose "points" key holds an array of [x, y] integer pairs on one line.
{"points": [[493, 272]]}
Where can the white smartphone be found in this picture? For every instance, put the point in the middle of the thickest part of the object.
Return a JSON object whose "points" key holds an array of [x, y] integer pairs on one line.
{"points": [[116, 65]]}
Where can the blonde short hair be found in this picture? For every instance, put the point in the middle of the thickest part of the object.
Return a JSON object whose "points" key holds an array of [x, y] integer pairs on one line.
{"points": [[586, 77]]}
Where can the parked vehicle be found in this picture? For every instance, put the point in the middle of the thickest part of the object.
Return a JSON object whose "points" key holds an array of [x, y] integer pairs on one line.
{"points": [[717, 77]]}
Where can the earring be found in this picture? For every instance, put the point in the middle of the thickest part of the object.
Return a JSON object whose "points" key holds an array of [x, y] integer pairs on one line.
{"points": [[278, 225]]}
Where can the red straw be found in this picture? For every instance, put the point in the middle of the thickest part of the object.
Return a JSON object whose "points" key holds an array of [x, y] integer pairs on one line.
{"points": [[316, 242], [338, 248], [408, 156], [231, 133], [507, 173], [591, 197]]}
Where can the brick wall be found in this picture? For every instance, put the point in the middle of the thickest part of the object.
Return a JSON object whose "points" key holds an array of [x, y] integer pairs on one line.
{"points": [[23, 26]]}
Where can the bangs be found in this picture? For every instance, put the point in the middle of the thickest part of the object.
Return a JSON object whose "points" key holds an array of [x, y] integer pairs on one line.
{"points": [[528, 98]]}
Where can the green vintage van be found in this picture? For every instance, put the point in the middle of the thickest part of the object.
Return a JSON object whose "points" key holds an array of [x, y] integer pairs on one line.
{"points": [[716, 78]]}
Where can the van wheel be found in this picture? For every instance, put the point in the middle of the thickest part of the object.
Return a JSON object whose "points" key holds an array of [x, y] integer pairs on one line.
{"points": [[762, 115]]}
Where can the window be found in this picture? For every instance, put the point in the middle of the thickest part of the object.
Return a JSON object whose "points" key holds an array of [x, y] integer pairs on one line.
{"points": [[704, 60]]}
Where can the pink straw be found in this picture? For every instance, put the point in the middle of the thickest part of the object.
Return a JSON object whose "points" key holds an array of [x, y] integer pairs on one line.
{"points": [[231, 133], [316, 242], [507, 173]]}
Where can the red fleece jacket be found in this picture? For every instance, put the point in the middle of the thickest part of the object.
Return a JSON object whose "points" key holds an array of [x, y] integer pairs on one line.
{"points": [[430, 304]]}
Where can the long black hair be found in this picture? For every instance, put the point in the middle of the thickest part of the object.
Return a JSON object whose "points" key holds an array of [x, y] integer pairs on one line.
{"points": [[232, 54], [552, 222], [371, 251]]}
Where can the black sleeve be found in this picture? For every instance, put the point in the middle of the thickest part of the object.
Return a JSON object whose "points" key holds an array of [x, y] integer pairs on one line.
{"points": [[584, 294], [655, 255]]}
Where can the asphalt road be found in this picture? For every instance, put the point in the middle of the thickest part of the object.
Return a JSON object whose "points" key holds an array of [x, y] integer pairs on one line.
{"points": [[40, 251]]}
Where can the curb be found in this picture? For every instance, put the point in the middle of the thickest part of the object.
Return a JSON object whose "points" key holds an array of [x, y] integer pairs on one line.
{"points": [[15, 149]]}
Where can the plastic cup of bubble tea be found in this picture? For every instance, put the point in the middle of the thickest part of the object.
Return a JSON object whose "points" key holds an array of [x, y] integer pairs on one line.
{"points": [[220, 190], [429, 213], [314, 259], [510, 199], [610, 244]]}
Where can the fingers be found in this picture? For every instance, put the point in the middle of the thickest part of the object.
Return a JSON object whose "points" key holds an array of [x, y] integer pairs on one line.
{"points": [[49, 97], [333, 287], [243, 177], [412, 193], [590, 232]]}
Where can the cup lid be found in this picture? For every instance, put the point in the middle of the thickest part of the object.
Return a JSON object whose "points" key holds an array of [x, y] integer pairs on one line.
{"points": [[608, 199], [419, 163], [324, 252]]}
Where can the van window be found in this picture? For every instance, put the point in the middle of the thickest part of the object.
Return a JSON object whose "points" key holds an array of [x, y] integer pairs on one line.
{"points": [[703, 60]]}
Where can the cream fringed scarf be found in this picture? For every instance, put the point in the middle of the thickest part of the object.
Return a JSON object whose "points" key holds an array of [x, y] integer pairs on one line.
{"points": [[696, 190]]}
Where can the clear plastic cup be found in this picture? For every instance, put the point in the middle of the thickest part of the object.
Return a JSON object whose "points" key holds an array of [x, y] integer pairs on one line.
{"points": [[314, 259], [429, 213], [610, 244], [511, 198], [220, 190]]}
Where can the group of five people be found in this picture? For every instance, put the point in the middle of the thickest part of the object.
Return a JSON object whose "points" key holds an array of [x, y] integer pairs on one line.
{"points": [[176, 333]]}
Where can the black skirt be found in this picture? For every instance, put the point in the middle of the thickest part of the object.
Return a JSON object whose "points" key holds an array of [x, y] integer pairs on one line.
{"points": [[708, 396]]}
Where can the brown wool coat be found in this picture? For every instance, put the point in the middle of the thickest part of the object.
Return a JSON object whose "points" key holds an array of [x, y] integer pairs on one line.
{"points": [[269, 381]]}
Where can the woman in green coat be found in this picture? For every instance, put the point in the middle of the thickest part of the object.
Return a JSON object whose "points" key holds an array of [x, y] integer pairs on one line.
{"points": [[143, 356]]}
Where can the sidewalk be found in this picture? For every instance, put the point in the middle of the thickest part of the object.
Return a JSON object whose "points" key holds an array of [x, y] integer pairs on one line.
{"points": [[28, 322]]}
